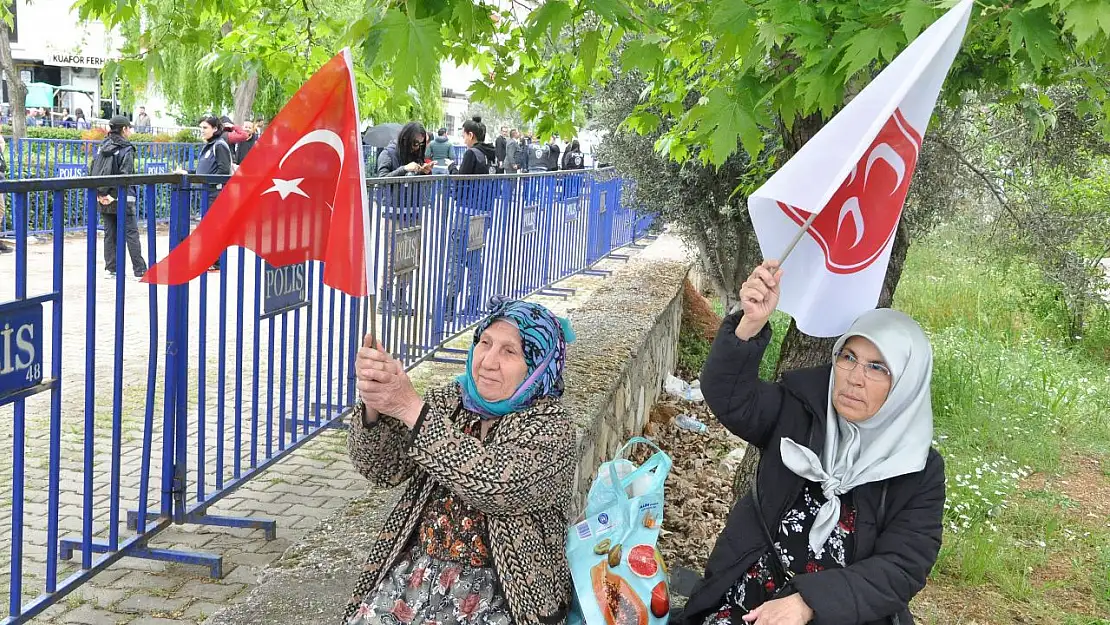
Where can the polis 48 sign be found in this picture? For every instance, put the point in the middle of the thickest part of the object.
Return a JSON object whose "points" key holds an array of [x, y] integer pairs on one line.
{"points": [[21, 364]]}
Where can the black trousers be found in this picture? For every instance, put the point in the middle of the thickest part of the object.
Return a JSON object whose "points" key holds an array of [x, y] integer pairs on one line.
{"points": [[130, 233]]}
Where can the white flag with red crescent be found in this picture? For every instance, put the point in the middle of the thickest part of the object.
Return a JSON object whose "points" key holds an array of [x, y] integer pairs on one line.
{"points": [[854, 174]]}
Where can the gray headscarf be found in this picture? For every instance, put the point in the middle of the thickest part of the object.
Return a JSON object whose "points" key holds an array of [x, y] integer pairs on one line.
{"points": [[893, 442]]}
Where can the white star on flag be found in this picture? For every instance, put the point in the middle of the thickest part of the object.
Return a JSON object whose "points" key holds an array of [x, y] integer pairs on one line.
{"points": [[285, 188]]}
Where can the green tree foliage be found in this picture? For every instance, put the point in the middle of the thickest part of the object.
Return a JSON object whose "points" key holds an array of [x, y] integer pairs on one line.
{"points": [[200, 52]]}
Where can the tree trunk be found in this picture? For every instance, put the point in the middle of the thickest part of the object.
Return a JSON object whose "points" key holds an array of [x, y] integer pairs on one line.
{"points": [[244, 91], [244, 97], [17, 91]]}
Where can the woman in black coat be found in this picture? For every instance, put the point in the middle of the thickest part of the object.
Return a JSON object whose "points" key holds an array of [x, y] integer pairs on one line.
{"points": [[849, 489]]}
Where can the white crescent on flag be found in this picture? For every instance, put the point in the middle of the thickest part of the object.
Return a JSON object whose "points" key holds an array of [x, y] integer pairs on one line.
{"points": [[285, 188]]}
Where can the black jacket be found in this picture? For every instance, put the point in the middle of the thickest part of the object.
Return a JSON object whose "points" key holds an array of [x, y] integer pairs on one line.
{"points": [[499, 149], [553, 156], [893, 555], [472, 165], [389, 162], [242, 149], [574, 160], [215, 158], [119, 160]]}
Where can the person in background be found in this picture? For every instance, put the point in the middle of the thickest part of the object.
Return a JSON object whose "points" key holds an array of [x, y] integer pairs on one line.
{"points": [[513, 153], [553, 152], [573, 157], [117, 156], [142, 121], [79, 119], [215, 158], [479, 535], [402, 205], [499, 148], [473, 198], [33, 120], [439, 150], [536, 156], [231, 133], [844, 519], [241, 150], [67, 119]]}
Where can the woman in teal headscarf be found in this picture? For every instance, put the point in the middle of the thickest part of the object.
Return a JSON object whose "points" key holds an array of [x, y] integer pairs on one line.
{"points": [[478, 535]]}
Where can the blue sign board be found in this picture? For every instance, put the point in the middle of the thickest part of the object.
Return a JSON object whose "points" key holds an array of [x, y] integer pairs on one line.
{"points": [[20, 346], [70, 170], [529, 218], [285, 288], [157, 168], [570, 210]]}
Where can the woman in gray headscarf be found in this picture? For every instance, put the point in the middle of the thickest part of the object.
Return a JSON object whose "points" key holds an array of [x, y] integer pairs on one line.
{"points": [[843, 523]]}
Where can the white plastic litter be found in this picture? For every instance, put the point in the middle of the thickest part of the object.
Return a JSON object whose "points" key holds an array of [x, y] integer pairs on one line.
{"points": [[680, 389]]}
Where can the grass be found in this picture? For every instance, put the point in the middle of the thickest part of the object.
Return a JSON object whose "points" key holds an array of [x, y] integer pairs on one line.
{"points": [[1013, 396]]}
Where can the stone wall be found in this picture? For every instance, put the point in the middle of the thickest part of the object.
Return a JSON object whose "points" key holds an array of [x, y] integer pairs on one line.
{"points": [[627, 344]]}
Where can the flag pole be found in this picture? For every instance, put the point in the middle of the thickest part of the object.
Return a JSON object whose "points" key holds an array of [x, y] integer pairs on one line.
{"points": [[797, 238], [786, 254]]}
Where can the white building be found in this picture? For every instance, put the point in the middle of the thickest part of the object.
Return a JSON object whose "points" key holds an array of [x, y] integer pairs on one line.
{"points": [[455, 86], [51, 45]]}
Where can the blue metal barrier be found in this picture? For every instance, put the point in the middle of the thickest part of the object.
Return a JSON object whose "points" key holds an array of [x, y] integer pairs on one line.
{"points": [[50, 158], [225, 376]]}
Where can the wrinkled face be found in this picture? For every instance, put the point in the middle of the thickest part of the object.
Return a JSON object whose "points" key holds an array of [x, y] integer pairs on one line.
{"points": [[206, 131], [861, 381], [498, 366]]}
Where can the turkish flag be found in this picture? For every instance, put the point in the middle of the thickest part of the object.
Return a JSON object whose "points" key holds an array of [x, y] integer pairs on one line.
{"points": [[300, 194], [852, 177]]}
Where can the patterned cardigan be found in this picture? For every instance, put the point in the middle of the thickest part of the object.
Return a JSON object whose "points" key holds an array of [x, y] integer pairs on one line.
{"points": [[521, 477]]}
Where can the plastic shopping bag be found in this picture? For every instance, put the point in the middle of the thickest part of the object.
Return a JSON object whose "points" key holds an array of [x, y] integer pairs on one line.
{"points": [[619, 575]]}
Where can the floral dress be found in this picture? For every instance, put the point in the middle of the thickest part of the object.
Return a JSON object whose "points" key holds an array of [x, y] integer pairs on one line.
{"points": [[446, 578], [757, 585]]}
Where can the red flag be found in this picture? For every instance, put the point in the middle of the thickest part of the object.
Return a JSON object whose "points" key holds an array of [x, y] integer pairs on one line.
{"points": [[299, 195]]}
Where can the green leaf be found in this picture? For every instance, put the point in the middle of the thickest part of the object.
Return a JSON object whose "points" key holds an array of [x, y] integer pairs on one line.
{"points": [[587, 54], [916, 16], [642, 56], [729, 121], [730, 16], [1085, 18], [411, 45], [551, 16], [862, 49], [1035, 33]]}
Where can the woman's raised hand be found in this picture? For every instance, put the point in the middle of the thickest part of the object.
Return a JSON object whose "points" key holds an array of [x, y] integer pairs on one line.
{"points": [[759, 296], [383, 385]]}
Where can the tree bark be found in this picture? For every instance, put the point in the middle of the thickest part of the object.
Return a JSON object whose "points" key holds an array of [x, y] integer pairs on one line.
{"points": [[244, 97], [244, 91], [17, 91]]}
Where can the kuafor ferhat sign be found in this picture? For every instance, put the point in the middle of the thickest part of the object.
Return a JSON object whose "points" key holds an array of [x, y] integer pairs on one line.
{"points": [[80, 58]]}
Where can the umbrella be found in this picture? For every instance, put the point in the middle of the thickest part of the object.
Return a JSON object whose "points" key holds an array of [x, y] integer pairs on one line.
{"points": [[379, 136]]}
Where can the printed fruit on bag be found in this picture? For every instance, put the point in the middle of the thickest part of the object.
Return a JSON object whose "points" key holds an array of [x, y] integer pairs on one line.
{"points": [[660, 600], [618, 602], [642, 561]]}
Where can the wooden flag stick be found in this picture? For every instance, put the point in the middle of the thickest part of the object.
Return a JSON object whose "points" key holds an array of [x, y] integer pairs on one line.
{"points": [[797, 238], [786, 254]]}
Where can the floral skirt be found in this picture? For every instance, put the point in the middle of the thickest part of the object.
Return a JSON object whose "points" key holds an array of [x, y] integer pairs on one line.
{"points": [[422, 590]]}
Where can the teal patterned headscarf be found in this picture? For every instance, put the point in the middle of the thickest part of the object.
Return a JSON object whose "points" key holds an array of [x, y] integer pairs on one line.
{"points": [[544, 338]]}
